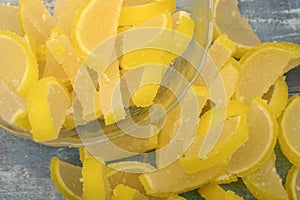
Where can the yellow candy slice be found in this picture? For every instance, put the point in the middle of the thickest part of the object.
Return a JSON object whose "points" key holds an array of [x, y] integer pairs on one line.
{"points": [[267, 58], [48, 102], [61, 49], [228, 76], [110, 95], [180, 126], [228, 20], [293, 183], [36, 20], [212, 137], [265, 183], [18, 62], [183, 27], [14, 110], [289, 131], [122, 192], [216, 192], [64, 12], [91, 28], [145, 9], [219, 53], [221, 50], [9, 20], [144, 56], [95, 185], [232, 136], [173, 179], [259, 146], [277, 96], [66, 178]]}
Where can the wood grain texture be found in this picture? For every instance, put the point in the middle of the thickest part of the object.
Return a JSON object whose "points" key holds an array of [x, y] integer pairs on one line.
{"points": [[24, 165], [24, 168]]}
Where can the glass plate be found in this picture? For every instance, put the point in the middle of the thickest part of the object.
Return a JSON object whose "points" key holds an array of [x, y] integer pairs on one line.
{"points": [[24, 165], [175, 83]]}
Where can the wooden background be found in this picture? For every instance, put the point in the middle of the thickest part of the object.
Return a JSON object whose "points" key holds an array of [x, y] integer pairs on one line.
{"points": [[24, 165]]}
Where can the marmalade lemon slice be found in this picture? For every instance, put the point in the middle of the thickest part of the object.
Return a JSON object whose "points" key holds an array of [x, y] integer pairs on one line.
{"points": [[172, 121], [265, 183], [116, 171], [95, 185], [174, 180], [219, 53], [226, 178], [221, 50], [125, 146], [183, 23], [149, 85], [212, 192], [36, 20], [127, 173], [180, 126], [69, 123], [230, 195], [9, 20], [83, 153], [267, 58], [232, 135], [107, 101], [122, 192], [84, 89], [65, 12], [229, 76], [259, 146], [143, 56], [150, 78], [144, 9], [292, 64], [86, 36], [61, 48], [66, 178], [293, 183], [144, 95], [110, 95], [183, 31], [289, 131], [52, 67], [216, 192], [13, 107], [96, 21], [41, 53], [277, 96], [18, 62], [211, 125], [228, 20], [48, 102]]}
